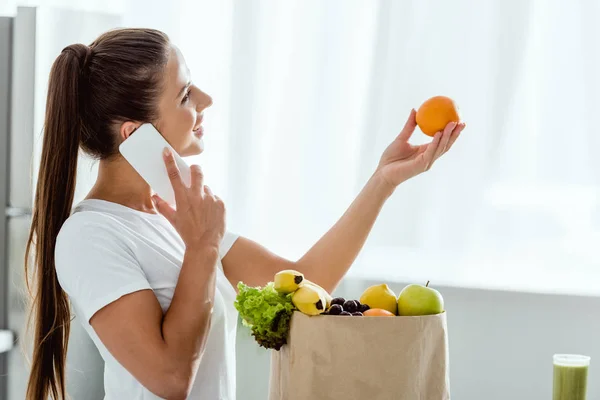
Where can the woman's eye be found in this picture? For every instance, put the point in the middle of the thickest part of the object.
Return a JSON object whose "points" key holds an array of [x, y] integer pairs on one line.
{"points": [[186, 97]]}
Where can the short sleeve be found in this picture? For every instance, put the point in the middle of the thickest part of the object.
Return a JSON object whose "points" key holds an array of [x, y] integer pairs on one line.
{"points": [[229, 239], [94, 265]]}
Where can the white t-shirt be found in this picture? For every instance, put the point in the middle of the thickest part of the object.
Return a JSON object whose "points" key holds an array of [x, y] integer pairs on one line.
{"points": [[105, 251]]}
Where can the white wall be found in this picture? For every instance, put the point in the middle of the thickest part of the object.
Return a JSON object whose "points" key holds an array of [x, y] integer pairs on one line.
{"points": [[501, 343]]}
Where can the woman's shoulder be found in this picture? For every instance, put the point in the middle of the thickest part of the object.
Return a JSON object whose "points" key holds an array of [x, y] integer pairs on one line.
{"points": [[82, 222], [94, 261], [89, 240], [90, 231]]}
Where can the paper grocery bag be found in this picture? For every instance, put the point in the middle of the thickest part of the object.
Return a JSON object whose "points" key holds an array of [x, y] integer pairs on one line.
{"points": [[362, 358]]}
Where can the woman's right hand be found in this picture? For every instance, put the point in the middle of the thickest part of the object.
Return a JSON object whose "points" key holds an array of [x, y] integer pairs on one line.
{"points": [[199, 216]]}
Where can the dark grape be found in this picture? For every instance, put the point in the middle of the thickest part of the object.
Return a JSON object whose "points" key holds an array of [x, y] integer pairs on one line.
{"points": [[357, 314], [335, 309], [338, 300], [345, 313], [350, 306], [364, 307]]}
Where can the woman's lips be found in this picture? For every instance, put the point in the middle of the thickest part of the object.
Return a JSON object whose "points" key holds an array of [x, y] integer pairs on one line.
{"points": [[199, 132]]}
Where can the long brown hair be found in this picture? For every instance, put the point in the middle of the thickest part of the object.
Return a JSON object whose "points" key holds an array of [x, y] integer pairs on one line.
{"points": [[92, 89]]}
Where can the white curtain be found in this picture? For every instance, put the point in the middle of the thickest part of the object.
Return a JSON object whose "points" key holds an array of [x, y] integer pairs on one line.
{"points": [[309, 93]]}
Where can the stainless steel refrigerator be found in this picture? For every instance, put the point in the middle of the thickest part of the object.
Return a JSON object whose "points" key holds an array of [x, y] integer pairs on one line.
{"points": [[29, 43]]}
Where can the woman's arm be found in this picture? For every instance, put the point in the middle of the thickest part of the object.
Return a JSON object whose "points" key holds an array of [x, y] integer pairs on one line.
{"points": [[330, 258], [163, 351]]}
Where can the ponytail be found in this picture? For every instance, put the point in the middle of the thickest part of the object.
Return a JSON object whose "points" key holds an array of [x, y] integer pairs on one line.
{"points": [[53, 200], [90, 91]]}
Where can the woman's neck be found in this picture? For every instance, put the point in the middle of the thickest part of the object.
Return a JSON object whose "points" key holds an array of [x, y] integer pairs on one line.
{"points": [[119, 183]]}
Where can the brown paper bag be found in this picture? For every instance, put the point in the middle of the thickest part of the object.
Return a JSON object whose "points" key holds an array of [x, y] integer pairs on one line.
{"points": [[362, 358]]}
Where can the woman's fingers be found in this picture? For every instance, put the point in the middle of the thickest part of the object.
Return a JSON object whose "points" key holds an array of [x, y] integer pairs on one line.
{"points": [[197, 178], [164, 208], [445, 139], [409, 127], [459, 128], [174, 175], [428, 155]]}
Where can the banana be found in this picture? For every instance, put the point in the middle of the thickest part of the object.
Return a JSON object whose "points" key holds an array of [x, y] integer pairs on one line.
{"points": [[307, 294], [287, 281], [325, 294], [309, 300]]}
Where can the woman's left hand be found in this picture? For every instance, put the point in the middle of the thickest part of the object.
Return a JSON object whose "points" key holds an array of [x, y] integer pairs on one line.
{"points": [[401, 160]]}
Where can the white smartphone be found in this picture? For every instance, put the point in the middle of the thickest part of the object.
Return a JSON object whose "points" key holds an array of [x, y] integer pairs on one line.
{"points": [[143, 149]]}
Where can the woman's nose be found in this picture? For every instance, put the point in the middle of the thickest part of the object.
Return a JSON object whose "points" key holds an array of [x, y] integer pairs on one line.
{"points": [[205, 101]]}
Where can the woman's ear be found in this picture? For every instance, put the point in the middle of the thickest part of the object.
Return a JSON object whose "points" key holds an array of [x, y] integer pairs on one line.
{"points": [[127, 128]]}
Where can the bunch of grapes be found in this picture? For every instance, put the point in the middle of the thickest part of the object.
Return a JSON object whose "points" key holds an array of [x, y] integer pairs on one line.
{"points": [[340, 306]]}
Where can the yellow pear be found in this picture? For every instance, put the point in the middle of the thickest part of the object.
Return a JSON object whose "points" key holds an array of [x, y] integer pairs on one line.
{"points": [[380, 296]]}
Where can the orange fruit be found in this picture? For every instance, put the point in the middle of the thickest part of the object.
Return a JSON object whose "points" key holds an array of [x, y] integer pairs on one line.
{"points": [[378, 312], [435, 114]]}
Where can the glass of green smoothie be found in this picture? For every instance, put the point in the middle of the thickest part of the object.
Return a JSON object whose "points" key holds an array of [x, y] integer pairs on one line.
{"points": [[570, 376]]}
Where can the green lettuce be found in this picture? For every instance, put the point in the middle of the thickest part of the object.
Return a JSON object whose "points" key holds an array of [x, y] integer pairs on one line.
{"points": [[266, 312]]}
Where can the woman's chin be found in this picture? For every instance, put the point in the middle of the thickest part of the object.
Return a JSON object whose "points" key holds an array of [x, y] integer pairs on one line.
{"points": [[195, 148]]}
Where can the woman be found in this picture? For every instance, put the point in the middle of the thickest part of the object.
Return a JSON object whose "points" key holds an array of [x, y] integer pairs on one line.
{"points": [[151, 284]]}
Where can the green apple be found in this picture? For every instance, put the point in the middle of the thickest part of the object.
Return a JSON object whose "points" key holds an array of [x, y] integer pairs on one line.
{"points": [[420, 300]]}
